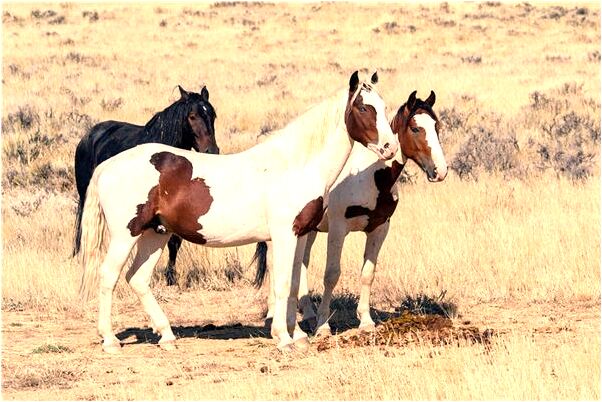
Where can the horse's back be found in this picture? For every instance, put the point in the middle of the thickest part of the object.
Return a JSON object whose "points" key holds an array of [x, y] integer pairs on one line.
{"points": [[112, 137], [103, 141]]}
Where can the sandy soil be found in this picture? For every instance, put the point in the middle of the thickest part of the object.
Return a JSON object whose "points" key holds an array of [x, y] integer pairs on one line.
{"points": [[221, 335]]}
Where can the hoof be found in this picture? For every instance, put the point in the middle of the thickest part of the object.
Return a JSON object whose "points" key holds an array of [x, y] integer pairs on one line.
{"points": [[111, 348], [367, 328], [170, 277], [168, 346], [323, 332], [287, 348], [309, 325], [301, 344], [268, 322]]}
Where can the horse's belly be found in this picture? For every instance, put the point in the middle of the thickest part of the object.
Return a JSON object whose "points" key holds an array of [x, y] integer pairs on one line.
{"points": [[234, 221], [225, 233]]}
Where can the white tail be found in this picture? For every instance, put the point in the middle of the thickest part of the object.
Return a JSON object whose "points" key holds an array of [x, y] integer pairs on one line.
{"points": [[92, 242]]}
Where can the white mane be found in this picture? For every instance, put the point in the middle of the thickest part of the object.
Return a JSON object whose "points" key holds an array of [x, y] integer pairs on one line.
{"points": [[297, 141]]}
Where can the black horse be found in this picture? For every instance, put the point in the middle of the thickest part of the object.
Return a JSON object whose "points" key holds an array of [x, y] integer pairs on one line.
{"points": [[187, 123]]}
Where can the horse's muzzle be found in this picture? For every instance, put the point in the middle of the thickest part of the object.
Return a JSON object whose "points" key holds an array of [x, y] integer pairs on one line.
{"points": [[384, 152], [435, 176], [213, 150]]}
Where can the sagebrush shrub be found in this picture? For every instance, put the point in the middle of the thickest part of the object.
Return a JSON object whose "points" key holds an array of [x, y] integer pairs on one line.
{"points": [[24, 118], [570, 125], [486, 150]]}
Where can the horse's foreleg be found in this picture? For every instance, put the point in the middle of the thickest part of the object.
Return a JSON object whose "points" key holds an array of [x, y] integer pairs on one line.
{"points": [[305, 305], [117, 254], [150, 246], [173, 245], [288, 253], [374, 241], [336, 238]]}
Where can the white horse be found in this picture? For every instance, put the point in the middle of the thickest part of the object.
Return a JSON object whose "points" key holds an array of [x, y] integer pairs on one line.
{"points": [[273, 191], [363, 198]]}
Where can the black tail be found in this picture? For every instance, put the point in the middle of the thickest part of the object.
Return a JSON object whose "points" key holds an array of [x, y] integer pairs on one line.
{"points": [[78, 226], [261, 255], [84, 167]]}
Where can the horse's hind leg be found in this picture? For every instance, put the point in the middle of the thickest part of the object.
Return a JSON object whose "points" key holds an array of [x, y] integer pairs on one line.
{"points": [[170, 272], [150, 246], [374, 241], [117, 254]]}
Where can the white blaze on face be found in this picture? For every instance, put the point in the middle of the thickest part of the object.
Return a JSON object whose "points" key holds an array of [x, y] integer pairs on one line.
{"points": [[425, 121], [385, 134]]}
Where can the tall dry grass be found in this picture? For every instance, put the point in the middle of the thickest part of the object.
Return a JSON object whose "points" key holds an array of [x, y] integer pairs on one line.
{"points": [[492, 240]]}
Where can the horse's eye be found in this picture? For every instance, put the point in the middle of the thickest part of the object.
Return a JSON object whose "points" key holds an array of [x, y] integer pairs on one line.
{"points": [[415, 129], [363, 109]]}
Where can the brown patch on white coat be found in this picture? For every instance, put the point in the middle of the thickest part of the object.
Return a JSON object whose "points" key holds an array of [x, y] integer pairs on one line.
{"points": [[309, 217], [363, 122], [176, 202]]}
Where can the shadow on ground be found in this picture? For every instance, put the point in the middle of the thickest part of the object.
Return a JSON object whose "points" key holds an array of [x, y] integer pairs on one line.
{"points": [[209, 331], [343, 309]]}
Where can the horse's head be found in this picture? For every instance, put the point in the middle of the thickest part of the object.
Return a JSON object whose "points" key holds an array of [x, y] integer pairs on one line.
{"points": [[417, 129], [201, 119], [366, 120]]}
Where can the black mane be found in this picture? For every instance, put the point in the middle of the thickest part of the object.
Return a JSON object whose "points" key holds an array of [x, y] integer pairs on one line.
{"points": [[419, 104], [170, 126]]}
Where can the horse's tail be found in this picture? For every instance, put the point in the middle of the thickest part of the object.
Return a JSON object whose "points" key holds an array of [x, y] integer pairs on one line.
{"points": [[261, 255], [93, 227], [77, 241], [84, 168]]}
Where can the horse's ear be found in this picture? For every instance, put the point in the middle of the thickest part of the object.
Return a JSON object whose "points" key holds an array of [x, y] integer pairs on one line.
{"points": [[411, 100], [374, 78], [354, 81], [183, 94], [431, 99], [205, 94]]}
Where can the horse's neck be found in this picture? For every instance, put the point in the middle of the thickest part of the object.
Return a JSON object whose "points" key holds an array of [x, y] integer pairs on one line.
{"points": [[362, 159], [159, 129], [398, 162], [332, 157]]}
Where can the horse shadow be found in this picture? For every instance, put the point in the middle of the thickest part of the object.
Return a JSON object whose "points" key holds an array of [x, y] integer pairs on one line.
{"points": [[343, 318], [209, 331]]}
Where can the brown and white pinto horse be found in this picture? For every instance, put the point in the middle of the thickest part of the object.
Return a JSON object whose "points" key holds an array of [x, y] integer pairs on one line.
{"points": [[273, 191], [363, 198]]}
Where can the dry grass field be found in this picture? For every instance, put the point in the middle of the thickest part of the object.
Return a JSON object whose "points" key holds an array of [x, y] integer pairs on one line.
{"points": [[510, 241]]}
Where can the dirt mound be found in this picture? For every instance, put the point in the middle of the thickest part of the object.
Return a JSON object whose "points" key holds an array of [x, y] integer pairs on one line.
{"points": [[409, 328]]}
